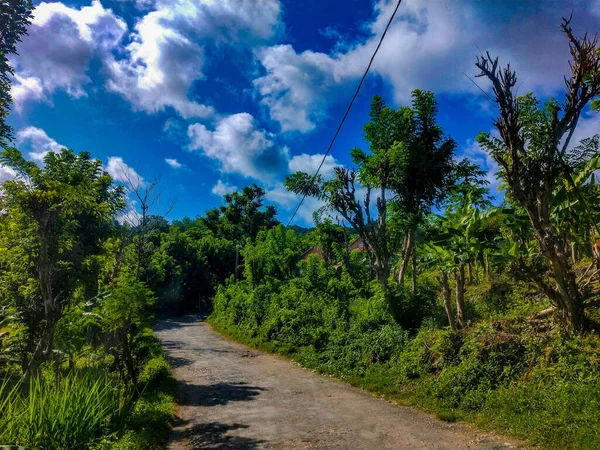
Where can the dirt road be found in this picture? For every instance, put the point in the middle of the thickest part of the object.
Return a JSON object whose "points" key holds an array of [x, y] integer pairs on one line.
{"points": [[232, 397]]}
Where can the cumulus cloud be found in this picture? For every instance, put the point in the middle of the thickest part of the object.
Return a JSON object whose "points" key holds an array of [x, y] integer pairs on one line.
{"points": [[587, 127], [239, 146], [6, 173], [37, 143], [174, 163], [222, 188], [429, 46], [288, 201], [56, 53], [130, 216], [297, 87], [166, 54], [310, 164], [120, 171]]}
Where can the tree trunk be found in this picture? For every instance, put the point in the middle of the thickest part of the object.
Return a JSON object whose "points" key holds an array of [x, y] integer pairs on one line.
{"points": [[44, 348], [487, 267], [237, 260], [414, 270], [409, 241], [460, 295], [566, 296], [446, 296], [469, 273]]}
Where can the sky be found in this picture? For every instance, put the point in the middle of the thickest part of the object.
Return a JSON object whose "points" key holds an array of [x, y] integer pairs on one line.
{"points": [[208, 96]]}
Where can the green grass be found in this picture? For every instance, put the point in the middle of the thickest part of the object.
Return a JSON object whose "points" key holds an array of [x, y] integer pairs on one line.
{"points": [[91, 409], [69, 414]]}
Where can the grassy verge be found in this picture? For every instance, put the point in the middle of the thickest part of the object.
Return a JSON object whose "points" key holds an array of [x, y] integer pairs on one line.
{"points": [[89, 408], [148, 422]]}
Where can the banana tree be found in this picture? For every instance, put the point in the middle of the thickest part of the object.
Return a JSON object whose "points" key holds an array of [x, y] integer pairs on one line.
{"points": [[464, 236], [576, 201]]}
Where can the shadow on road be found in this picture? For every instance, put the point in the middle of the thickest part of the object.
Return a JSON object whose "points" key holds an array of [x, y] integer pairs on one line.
{"points": [[214, 436], [216, 394], [168, 323]]}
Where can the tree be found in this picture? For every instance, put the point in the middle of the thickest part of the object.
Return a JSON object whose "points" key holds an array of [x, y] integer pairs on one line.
{"points": [[125, 311], [15, 16], [409, 165], [534, 152], [330, 238], [242, 216], [423, 171], [67, 209], [148, 195]]}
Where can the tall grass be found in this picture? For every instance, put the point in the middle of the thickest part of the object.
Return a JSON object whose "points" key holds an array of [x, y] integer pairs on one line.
{"points": [[69, 414]]}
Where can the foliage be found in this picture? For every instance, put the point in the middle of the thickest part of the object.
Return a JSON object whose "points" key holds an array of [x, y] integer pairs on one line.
{"points": [[242, 216], [64, 210], [535, 155], [69, 414], [15, 15]]}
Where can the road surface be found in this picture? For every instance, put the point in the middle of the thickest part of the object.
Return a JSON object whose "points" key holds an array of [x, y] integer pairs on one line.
{"points": [[234, 397]]}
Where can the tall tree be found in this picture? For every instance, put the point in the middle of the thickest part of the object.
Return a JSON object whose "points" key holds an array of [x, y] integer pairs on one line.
{"points": [[409, 164], [68, 208], [242, 216], [15, 16], [534, 151]]}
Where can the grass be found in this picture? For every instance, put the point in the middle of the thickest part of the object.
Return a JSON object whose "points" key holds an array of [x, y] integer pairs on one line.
{"points": [[68, 414], [90, 409]]}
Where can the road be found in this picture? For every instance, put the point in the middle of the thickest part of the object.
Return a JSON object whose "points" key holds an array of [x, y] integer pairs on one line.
{"points": [[234, 397]]}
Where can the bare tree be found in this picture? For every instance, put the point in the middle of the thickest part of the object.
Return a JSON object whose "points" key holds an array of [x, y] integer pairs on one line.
{"points": [[534, 152], [147, 195]]}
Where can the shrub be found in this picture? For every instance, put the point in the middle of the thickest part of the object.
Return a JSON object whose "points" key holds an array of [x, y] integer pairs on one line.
{"points": [[156, 371]]}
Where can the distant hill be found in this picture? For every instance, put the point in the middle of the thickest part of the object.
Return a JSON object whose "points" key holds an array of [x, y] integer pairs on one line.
{"points": [[300, 230]]}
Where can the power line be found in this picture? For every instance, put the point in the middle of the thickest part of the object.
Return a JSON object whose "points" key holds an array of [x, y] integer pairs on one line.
{"points": [[349, 107]]}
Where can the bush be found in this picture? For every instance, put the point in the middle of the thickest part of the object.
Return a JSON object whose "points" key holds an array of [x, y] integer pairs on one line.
{"points": [[155, 371]]}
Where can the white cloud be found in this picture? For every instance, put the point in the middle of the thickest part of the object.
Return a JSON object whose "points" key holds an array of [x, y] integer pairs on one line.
{"points": [[310, 164], [174, 163], [587, 127], [166, 54], [6, 173], [297, 87], [131, 216], [288, 201], [56, 53], [223, 188], [430, 45], [240, 147], [38, 143], [120, 171]]}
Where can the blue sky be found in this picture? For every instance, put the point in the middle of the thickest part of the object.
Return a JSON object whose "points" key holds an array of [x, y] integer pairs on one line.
{"points": [[212, 95]]}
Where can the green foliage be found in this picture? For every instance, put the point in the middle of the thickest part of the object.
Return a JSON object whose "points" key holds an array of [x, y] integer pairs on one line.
{"points": [[242, 216], [69, 414], [15, 16]]}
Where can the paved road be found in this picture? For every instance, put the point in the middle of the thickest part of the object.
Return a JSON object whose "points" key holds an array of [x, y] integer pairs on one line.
{"points": [[233, 397]]}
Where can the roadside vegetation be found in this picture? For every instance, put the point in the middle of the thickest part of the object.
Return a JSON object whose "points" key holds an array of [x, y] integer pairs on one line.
{"points": [[422, 284], [473, 311]]}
